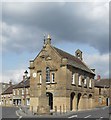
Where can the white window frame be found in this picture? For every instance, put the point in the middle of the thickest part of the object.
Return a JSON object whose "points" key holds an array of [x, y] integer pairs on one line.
{"points": [[13, 92], [80, 79], [22, 91], [28, 101], [73, 78], [90, 83], [85, 81], [53, 77], [40, 77]]}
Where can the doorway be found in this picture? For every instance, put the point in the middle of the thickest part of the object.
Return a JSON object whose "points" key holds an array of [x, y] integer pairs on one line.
{"points": [[72, 100], [50, 98]]}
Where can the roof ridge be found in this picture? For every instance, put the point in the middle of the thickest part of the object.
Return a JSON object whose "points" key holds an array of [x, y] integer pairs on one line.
{"points": [[74, 57]]}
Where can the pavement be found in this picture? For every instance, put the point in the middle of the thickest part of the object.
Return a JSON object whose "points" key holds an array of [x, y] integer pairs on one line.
{"points": [[24, 112]]}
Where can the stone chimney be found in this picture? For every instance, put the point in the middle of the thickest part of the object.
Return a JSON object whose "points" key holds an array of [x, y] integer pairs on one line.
{"points": [[78, 54], [98, 77], [10, 82]]}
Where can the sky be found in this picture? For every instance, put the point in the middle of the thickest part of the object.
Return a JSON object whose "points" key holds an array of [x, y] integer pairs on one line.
{"points": [[72, 25]]}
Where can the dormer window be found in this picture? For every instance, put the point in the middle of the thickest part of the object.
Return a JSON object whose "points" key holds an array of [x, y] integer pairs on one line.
{"points": [[47, 74]]}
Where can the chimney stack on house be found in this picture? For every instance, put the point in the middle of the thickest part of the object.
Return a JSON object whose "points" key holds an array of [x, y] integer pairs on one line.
{"points": [[10, 82], [98, 77]]}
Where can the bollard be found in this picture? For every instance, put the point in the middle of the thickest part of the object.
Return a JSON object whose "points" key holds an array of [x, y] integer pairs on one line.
{"points": [[32, 109], [63, 109], [56, 110], [66, 108], [60, 110], [37, 109]]}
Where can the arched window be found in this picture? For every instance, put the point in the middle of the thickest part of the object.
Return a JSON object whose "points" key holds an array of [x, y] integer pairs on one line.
{"points": [[47, 74]]}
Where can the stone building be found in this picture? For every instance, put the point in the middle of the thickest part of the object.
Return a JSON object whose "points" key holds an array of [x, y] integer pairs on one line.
{"points": [[3, 87], [7, 96], [60, 80], [18, 94], [102, 92], [21, 92]]}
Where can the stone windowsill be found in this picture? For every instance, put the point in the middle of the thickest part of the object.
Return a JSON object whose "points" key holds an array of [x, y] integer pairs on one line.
{"points": [[48, 83], [73, 84], [79, 85]]}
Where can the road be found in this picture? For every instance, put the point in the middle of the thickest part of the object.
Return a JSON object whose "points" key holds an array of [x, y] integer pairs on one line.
{"points": [[9, 112], [98, 113]]}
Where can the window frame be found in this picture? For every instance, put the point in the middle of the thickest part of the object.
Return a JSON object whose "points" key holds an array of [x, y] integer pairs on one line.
{"points": [[53, 77], [73, 79], [47, 75]]}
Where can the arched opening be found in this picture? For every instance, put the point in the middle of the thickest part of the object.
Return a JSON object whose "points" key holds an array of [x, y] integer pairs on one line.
{"points": [[50, 96], [78, 99], [107, 101], [90, 101], [90, 95], [71, 100]]}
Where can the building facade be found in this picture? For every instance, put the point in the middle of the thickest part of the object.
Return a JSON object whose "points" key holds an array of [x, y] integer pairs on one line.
{"points": [[102, 92], [21, 93], [63, 80], [7, 96], [18, 94], [3, 87]]}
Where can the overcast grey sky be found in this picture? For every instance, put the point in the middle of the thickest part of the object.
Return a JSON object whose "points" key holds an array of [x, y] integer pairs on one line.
{"points": [[74, 23]]}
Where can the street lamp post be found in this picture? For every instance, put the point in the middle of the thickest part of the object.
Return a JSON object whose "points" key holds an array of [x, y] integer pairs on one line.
{"points": [[26, 73]]}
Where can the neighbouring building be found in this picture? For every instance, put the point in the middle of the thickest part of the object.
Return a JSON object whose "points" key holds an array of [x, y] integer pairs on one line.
{"points": [[18, 94], [21, 92], [102, 92], [7, 96], [60, 80], [3, 87]]}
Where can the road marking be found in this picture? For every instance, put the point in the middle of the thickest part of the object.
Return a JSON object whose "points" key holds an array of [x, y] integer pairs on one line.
{"points": [[105, 107], [18, 116], [72, 116], [101, 117], [87, 116]]}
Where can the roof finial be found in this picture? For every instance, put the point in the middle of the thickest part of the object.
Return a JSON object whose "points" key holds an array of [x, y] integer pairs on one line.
{"points": [[48, 36], [48, 39]]}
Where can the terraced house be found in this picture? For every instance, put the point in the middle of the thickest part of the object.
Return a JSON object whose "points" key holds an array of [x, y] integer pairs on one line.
{"points": [[7, 96], [21, 92], [60, 80], [18, 94], [102, 92]]}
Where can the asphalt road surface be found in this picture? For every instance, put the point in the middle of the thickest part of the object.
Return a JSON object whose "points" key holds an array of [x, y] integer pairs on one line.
{"points": [[98, 113], [9, 112]]}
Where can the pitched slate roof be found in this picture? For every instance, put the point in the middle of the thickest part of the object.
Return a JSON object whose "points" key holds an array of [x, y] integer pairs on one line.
{"points": [[23, 83], [102, 83], [9, 90], [74, 61]]}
